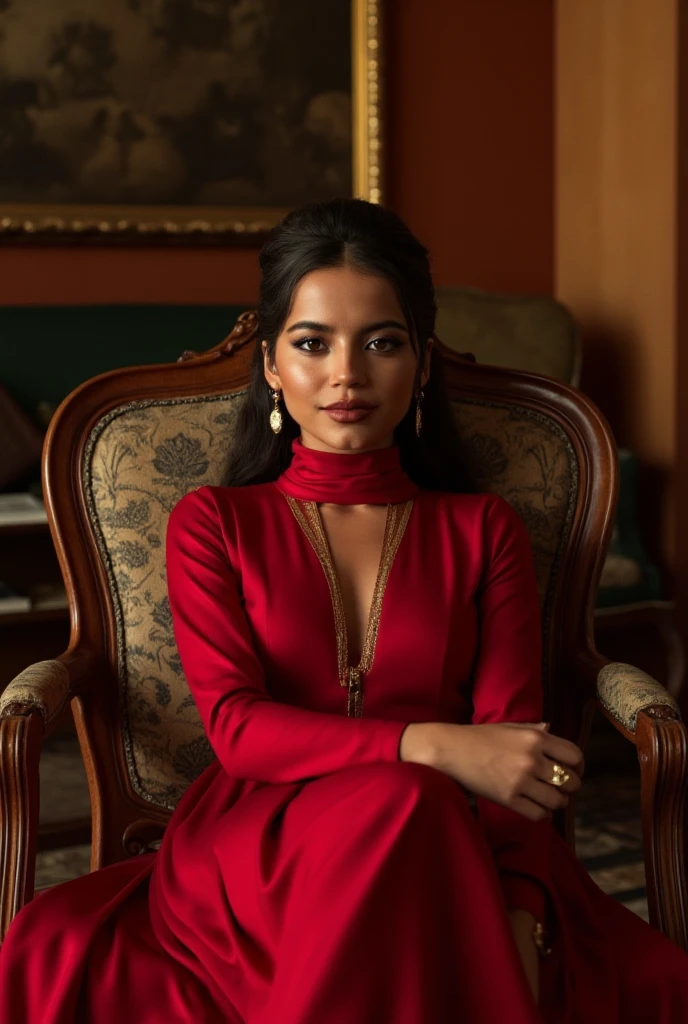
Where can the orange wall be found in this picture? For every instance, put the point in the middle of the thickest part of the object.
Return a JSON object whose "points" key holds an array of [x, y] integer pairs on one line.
{"points": [[616, 228], [469, 166], [471, 137]]}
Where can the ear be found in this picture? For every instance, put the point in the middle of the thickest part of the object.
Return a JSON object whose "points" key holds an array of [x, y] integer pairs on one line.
{"points": [[271, 377]]}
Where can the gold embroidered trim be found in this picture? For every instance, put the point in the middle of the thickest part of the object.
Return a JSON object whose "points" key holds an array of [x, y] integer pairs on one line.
{"points": [[308, 516], [339, 624]]}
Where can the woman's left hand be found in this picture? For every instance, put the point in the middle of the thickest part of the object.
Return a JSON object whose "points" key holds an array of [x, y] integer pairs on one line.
{"points": [[522, 927]]}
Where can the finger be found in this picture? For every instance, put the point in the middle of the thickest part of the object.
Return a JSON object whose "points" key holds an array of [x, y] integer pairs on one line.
{"points": [[569, 750], [549, 797], [558, 748], [530, 809], [546, 774], [562, 751]]}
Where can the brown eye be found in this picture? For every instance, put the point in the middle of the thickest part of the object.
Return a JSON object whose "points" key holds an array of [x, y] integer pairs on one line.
{"points": [[305, 341], [392, 342]]}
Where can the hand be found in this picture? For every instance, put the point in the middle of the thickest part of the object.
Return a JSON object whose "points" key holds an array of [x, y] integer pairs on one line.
{"points": [[522, 926], [509, 763]]}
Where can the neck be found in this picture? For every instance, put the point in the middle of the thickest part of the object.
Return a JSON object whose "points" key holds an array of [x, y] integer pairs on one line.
{"points": [[388, 443], [373, 477]]}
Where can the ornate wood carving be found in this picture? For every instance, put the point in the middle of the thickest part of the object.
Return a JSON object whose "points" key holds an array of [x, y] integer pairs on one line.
{"points": [[661, 741], [142, 836], [243, 331], [662, 713], [20, 742], [663, 754]]}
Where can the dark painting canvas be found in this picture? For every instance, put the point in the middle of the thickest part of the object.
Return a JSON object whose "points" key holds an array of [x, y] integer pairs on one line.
{"points": [[175, 103]]}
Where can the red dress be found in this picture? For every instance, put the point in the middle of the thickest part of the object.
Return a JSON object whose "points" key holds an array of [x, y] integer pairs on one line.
{"points": [[309, 876]]}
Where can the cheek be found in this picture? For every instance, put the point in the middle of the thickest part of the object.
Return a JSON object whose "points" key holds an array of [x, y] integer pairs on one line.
{"points": [[401, 380], [300, 377]]}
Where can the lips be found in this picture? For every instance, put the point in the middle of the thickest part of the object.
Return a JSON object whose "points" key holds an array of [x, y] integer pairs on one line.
{"points": [[350, 405]]}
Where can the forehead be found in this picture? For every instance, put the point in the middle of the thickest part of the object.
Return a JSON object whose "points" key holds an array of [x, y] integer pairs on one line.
{"points": [[344, 296]]}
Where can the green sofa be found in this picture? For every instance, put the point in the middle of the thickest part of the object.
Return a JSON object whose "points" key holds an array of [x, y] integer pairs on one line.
{"points": [[46, 351]]}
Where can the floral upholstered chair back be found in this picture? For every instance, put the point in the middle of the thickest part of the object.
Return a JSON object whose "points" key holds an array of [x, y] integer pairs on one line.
{"points": [[143, 456], [140, 460], [529, 460]]}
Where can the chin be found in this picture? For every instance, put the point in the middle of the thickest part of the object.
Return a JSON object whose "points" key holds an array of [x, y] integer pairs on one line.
{"points": [[356, 437]]}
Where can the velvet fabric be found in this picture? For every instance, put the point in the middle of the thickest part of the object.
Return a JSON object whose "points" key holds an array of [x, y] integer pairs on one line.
{"points": [[309, 876]]}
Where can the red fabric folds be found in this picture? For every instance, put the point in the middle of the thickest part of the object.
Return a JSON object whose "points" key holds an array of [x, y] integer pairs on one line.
{"points": [[347, 478], [308, 876]]}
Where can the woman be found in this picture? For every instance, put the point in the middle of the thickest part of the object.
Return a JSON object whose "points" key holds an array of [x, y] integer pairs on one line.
{"points": [[361, 634]]}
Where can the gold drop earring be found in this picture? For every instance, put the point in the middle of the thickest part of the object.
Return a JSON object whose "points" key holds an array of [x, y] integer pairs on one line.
{"points": [[276, 415], [419, 399]]}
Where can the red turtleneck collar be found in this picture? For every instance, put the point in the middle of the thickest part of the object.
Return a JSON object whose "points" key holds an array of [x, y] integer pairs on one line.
{"points": [[357, 478]]}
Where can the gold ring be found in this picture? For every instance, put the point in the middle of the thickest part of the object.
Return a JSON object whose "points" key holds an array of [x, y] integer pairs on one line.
{"points": [[559, 776]]}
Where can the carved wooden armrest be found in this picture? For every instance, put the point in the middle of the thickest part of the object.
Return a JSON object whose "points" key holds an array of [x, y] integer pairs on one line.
{"points": [[43, 687], [646, 714], [624, 691], [46, 687], [29, 708]]}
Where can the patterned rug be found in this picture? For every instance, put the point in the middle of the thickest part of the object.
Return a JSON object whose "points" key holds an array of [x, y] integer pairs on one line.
{"points": [[609, 837], [608, 828]]}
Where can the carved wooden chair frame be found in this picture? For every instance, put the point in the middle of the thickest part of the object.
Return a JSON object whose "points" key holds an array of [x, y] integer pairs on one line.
{"points": [[85, 674]]}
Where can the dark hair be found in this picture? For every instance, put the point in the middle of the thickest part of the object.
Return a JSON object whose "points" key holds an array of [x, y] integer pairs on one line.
{"points": [[360, 234]]}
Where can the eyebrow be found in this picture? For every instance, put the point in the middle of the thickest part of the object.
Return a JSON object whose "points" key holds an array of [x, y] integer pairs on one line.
{"points": [[311, 325]]}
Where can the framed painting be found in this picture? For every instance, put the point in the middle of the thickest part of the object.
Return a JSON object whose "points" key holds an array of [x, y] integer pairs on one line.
{"points": [[183, 120]]}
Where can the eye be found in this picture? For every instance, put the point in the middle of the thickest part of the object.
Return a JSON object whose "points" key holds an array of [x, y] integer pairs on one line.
{"points": [[392, 342], [304, 341]]}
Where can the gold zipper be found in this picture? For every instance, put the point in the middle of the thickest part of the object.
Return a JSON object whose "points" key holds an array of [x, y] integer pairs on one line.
{"points": [[308, 516]]}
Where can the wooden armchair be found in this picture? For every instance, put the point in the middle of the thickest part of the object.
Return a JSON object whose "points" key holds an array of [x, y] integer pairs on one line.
{"points": [[124, 447]]}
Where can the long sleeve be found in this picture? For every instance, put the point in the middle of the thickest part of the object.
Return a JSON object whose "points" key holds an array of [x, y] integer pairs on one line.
{"points": [[253, 736], [508, 688]]}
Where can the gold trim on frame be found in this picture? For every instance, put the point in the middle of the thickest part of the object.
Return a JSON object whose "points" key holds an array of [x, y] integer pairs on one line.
{"points": [[23, 222], [366, 39]]}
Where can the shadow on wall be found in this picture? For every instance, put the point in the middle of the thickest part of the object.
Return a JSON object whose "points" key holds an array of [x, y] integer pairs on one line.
{"points": [[611, 378]]}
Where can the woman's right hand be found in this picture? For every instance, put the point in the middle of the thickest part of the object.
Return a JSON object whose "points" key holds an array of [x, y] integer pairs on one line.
{"points": [[510, 763]]}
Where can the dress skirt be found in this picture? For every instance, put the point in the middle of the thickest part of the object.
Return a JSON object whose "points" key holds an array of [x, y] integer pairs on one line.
{"points": [[366, 895], [310, 875]]}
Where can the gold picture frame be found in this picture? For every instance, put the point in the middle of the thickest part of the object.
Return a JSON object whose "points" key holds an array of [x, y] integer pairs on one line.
{"points": [[104, 223]]}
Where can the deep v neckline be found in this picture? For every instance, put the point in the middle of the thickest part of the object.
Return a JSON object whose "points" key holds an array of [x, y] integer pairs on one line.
{"points": [[308, 516]]}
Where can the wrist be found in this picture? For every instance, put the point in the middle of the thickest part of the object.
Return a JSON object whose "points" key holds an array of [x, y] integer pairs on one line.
{"points": [[428, 743]]}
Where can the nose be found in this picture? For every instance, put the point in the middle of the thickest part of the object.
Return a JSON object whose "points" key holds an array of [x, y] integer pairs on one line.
{"points": [[347, 365]]}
